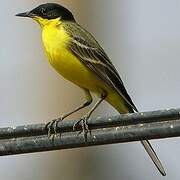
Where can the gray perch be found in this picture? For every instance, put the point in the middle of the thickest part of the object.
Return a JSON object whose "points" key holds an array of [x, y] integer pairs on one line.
{"points": [[117, 129]]}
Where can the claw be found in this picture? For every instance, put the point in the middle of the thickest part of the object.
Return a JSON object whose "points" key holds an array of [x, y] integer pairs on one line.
{"points": [[76, 124], [85, 129], [52, 127]]}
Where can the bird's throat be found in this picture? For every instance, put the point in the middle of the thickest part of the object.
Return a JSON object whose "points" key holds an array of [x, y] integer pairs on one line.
{"points": [[46, 22]]}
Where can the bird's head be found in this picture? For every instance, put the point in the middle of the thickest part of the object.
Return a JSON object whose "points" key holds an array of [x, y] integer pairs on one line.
{"points": [[47, 13]]}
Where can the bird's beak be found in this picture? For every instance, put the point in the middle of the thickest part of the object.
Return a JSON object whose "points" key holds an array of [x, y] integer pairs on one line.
{"points": [[26, 14]]}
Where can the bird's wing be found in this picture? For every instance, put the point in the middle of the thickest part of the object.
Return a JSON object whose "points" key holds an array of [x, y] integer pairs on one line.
{"points": [[90, 53]]}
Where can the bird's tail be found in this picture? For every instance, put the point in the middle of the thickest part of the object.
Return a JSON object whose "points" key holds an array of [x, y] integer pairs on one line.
{"points": [[122, 107], [149, 149]]}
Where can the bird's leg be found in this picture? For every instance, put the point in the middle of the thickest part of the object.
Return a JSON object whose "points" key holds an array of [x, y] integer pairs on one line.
{"points": [[52, 126], [84, 119]]}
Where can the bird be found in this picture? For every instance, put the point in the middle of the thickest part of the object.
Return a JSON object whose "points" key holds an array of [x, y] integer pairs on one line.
{"points": [[76, 55]]}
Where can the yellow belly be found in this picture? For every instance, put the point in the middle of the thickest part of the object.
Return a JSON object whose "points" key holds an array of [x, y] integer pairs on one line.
{"points": [[65, 63]]}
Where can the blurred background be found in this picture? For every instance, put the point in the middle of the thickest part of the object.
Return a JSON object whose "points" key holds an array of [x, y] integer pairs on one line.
{"points": [[143, 40]]}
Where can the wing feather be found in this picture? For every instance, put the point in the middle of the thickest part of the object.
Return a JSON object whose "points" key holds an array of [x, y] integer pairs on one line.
{"points": [[90, 53]]}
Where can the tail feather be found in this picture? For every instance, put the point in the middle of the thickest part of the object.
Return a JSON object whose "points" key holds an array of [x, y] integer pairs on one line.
{"points": [[153, 156], [123, 107]]}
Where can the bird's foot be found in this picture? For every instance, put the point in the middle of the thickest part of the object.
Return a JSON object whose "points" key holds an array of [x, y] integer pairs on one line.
{"points": [[52, 127], [83, 123]]}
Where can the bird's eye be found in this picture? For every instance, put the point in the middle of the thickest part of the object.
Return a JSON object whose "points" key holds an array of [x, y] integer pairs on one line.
{"points": [[43, 11]]}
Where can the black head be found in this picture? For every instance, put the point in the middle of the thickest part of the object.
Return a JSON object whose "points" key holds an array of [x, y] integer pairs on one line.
{"points": [[49, 11]]}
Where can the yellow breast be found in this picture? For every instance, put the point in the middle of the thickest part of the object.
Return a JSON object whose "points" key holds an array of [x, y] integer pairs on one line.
{"points": [[55, 41]]}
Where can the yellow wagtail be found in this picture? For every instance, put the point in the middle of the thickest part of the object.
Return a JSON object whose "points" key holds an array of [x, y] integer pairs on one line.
{"points": [[78, 57]]}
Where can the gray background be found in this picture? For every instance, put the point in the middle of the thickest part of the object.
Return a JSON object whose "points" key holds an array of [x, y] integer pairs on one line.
{"points": [[143, 40]]}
